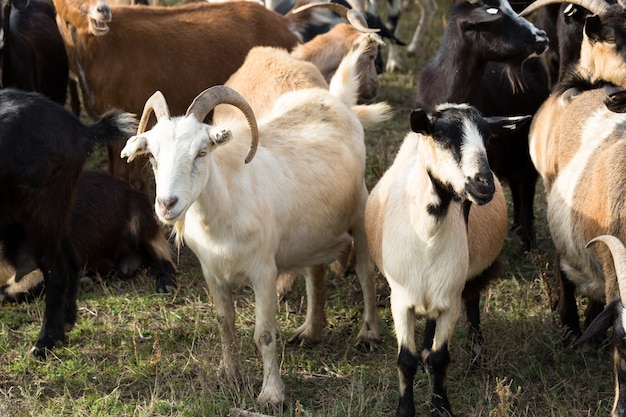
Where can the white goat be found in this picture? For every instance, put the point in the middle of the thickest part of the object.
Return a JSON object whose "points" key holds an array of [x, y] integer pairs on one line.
{"points": [[416, 225], [290, 209]]}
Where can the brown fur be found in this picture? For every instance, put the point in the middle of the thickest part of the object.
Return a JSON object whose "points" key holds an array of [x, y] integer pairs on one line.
{"points": [[178, 50]]}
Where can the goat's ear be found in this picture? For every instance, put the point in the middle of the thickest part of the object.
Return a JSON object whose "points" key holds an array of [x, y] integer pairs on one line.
{"points": [[502, 125], [135, 146], [420, 123], [219, 135], [616, 102], [20, 4], [593, 28], [602, 322]]}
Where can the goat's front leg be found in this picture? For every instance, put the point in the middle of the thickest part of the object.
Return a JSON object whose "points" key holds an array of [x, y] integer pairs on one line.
{"points": [[273, 389], [310, 332], [404, 324], [439, 360], [225, 309]]}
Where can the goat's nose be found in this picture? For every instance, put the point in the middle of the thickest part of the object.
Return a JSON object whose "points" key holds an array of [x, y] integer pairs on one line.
{"points": [[484, 178], [166, 204]]}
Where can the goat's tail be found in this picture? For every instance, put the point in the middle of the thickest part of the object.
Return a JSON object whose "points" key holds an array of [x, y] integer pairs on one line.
{"points": [[113, 126], [345, 82], [372, 114]]}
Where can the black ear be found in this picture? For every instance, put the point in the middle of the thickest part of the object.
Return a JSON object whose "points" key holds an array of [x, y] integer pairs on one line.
{"points": [[602, 322], [593, 28], [20, 4], [502, 125], [616, 102], [420, 123]]}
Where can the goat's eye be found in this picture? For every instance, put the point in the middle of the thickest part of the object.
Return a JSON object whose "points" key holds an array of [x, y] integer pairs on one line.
{"points": [[202, 153], [492, 10]]}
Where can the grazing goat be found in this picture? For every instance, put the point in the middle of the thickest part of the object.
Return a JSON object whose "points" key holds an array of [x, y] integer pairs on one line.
{"points": [[44, 148], [242, 221], [113, 229], [614, 315], [569, 154], [421, 204], [32, 52], [480, 31]]}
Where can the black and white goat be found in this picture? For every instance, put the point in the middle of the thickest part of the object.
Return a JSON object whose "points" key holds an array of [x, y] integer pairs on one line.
{"points": [[113, 229], [486, 44], [32, 51], [44, 148], [248, 222], [416, 221]]}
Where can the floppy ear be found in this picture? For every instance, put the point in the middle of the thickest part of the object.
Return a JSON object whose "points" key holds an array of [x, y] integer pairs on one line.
{"points": [[135, 146], [420, 123], [502, 125], [616, 102]]}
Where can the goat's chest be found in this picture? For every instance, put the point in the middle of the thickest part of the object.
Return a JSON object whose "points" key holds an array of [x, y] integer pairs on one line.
{"points": [[427, 258]]}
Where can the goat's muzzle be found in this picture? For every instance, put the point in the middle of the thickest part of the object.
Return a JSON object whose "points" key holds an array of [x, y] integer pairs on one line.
{"points": [[481, 188]]}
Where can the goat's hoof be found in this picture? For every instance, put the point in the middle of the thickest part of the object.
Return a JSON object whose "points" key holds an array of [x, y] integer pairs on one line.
{"points": [[272, 400], [165, 284], [305, 338]]}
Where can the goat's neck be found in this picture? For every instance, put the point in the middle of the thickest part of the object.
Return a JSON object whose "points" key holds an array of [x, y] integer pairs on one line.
{"points": [[454, 75], [215, 205], [432, 198]]}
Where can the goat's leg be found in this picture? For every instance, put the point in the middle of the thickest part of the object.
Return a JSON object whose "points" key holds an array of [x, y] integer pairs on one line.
{"points": [[52, 331], [567, 307], [428, 8], [310, 332], [161, 257], [225, 309], [475, 333], [273, 389], [404, 325], [523, 195], [370, 331], [394, 10], [619, 404], [439, 360]]}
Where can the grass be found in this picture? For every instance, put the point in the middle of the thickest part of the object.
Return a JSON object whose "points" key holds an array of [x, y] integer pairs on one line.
{"points": [[137, 353]]}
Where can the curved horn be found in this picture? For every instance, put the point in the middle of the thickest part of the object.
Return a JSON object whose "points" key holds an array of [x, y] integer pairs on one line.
{"points": [[619, 259], [594, 6], [155, 103], [355, 18], [206, 101]]}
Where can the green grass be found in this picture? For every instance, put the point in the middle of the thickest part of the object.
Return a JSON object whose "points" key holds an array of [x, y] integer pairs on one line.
{"points": [[136, 353]]}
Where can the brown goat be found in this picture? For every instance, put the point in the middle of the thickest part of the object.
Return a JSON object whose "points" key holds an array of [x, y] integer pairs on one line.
{"points": [[182, 50]]}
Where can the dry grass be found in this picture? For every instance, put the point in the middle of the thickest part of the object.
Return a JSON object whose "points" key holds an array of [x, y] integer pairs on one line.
{"points": [[137, 353]]}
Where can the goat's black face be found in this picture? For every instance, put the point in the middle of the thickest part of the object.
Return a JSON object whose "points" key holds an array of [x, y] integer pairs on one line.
{"points": [[497, 33]]}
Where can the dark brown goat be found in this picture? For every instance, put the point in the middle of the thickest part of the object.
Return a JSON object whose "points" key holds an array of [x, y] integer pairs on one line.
{"points": [[113, 229]]}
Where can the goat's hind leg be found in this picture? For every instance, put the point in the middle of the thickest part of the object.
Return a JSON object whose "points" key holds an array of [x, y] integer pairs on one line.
{"points": [[370, 330], [310, 332]]}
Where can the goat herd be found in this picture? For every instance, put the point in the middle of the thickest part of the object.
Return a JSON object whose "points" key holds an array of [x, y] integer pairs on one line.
{"points": [[258, 155]]}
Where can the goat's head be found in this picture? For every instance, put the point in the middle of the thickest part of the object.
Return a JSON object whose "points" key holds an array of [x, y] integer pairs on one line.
{"points": [[496, 31], [603, 48], [614, 315], [454, 139], [366, 65], [86, 16], [180, 148]]}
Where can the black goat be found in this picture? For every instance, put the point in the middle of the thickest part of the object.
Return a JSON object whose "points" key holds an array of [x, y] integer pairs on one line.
{"points": [[43, 150], [33, 56], [113, 229], [485, 59]]}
